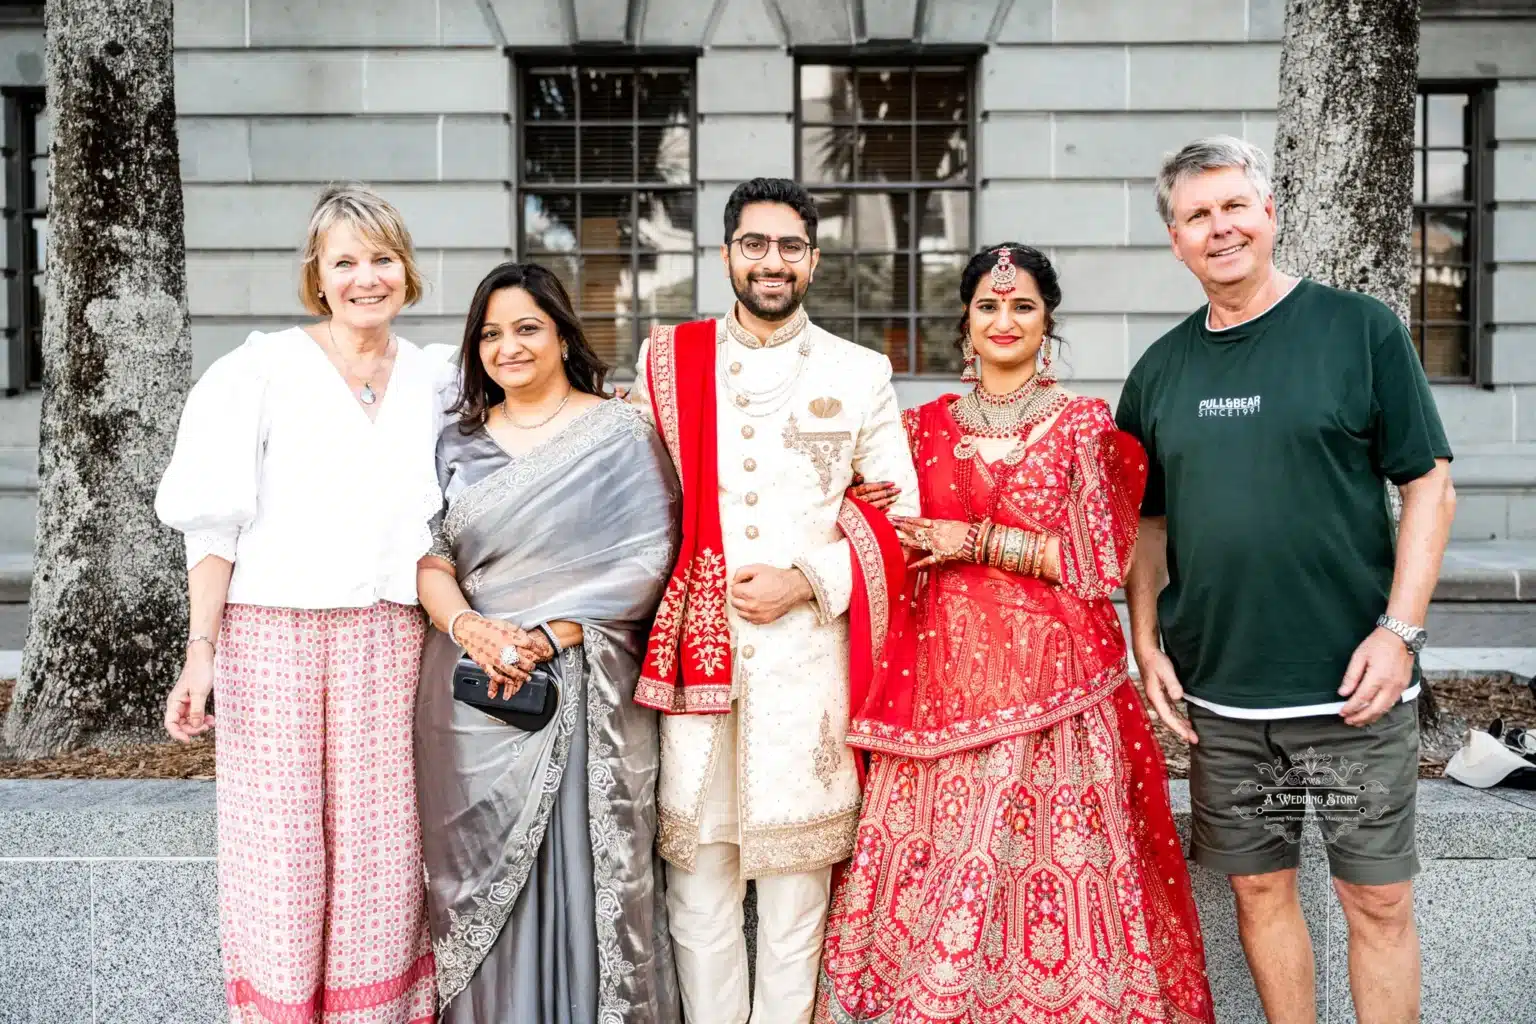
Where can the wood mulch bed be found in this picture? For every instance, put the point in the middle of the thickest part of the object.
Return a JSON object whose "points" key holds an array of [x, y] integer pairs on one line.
{"points": [[1464, 701], [168, 760]]}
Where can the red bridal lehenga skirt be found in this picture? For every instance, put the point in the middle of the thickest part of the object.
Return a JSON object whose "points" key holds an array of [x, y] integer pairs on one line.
{"points": [[322, 912], [1035, 881]]}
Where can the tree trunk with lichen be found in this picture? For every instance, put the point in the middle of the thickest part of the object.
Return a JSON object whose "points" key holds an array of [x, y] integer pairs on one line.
{"points": [[1344, 144], [109, 586], [1349, 80]]}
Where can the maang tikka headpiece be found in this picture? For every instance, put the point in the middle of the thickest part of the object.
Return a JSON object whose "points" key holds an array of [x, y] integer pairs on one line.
{"points": [[1004, 273]]}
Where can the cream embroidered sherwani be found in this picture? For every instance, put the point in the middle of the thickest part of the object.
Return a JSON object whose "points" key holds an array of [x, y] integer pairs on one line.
{"points": [[789, 796], [769, 790]]}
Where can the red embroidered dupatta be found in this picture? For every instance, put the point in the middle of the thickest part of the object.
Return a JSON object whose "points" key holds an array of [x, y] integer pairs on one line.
{"points": [[688, 659]]}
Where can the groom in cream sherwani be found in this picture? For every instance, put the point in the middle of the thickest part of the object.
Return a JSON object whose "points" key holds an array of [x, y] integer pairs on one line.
{"points": [[768, 790]]}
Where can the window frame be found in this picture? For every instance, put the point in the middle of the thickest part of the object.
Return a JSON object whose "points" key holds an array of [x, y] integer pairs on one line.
{"points": [[1478, 145], [534, 61], [966, 60], [24, 313]]}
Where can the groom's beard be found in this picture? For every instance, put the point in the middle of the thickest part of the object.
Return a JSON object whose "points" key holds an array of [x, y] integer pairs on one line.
{"points": [[771, 307]]}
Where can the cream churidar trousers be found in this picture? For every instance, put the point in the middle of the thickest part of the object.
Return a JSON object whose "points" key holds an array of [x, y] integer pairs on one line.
{"points": [[705, 910]]}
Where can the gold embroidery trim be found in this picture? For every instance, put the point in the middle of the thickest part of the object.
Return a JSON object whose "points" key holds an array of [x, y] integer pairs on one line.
{"points": [[661, 375], [788, 332], [798, 846], [867, 550], [820, 603], [823, 448]]}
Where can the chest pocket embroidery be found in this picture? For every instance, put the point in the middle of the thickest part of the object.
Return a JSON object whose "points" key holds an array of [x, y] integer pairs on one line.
{"points": [[823, 448]]}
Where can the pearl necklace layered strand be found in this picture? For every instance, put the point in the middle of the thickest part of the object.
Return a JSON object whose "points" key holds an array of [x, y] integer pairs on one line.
{"points": [[766, 402]]}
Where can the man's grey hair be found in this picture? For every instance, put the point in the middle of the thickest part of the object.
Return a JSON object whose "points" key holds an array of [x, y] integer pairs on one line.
{"points": [[1212, 153]]}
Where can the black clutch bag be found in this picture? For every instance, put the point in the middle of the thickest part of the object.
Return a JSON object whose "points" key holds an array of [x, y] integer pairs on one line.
{"points": [[529, 709]]}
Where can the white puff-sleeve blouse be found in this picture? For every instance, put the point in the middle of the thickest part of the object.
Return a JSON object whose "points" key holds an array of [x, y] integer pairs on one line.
{"points": [[278, 469]]}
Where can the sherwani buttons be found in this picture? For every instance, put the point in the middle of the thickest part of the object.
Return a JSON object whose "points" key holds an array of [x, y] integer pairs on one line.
{"points": [[750, 465], [751, 533], [748, 651], [751, 498], [747, 431], [735, 367]]}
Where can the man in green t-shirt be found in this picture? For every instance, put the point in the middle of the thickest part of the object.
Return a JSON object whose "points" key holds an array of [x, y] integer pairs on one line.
{"points": [[1292, 617]]}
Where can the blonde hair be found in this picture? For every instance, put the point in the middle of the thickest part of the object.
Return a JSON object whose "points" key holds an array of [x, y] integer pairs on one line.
{"points": [[371, 216]]}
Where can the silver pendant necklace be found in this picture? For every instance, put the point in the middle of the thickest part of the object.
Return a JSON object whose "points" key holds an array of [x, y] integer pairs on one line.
{"points": [[367, 396]]}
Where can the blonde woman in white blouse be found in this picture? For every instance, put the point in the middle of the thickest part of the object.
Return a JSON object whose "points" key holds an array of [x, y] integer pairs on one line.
{"points": [[304, 480]]}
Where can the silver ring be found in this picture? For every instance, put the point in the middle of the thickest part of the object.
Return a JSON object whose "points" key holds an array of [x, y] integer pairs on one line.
{"points": [[510, 656]]}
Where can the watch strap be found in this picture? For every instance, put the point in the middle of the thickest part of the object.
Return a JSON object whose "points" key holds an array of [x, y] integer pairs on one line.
{"points": [[1413, 637]]}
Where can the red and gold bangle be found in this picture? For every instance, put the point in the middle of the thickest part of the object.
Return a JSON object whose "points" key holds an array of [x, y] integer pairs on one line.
{"points": [[1013, 549], [995, 546], [1039, 564]]}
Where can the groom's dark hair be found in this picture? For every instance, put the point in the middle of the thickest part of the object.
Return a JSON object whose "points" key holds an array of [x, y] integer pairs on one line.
{"points": [[770, 190]]}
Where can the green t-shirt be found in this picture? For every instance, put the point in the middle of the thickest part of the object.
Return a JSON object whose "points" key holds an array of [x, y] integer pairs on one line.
{"points": [[1268, 443]]}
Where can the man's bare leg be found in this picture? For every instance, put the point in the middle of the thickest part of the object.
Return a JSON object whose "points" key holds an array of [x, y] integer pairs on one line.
{"points": [[1383, 951], [1277, 944]]}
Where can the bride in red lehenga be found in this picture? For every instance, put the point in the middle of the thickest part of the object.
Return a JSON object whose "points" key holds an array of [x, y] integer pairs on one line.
{"points": [[1017, 861]]}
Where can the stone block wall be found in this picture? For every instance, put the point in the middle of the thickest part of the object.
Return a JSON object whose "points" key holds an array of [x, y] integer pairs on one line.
{"points": [[1076, 104], [278, 98], [109, 911]]}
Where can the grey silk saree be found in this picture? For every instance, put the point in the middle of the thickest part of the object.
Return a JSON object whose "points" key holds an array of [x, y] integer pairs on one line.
{"points": [[545, 899]]}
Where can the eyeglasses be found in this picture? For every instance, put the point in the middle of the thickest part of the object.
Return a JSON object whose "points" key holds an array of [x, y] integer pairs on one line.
{"points": [[755, 247]]}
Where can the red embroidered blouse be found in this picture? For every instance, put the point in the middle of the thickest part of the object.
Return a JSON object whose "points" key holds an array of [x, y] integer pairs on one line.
{"points": [[990, 654]]}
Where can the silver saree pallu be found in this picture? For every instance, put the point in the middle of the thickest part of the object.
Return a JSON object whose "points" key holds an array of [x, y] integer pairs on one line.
{"points": [[545, 897]]}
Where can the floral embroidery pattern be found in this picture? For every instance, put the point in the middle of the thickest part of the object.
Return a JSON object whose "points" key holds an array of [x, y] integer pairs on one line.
{"points": [[824, 449], [610, 841], [1021, 891], [470, 936], [828, 754], [699, 625], [705, 627]]}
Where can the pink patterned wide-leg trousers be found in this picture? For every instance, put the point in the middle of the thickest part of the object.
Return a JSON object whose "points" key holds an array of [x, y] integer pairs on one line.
{"points": [[321, 898]]}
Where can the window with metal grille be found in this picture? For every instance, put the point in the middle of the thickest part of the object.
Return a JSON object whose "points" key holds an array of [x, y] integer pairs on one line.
{"points": [[1449, 200], [886, 151], [606, 195], [25, 149]]}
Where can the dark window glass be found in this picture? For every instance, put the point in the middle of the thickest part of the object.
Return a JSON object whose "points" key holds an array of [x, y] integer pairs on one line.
{"points": [[886, 152], [1446, 214], [26, 230], [607, 196]]}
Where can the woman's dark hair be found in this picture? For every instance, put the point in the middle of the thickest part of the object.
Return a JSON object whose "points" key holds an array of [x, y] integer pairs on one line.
{"points": [[770, 190], [478, 392], [1030, 261]]}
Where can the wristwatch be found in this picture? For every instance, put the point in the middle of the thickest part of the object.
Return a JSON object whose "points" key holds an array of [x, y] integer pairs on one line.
{"points": [[1413, 637]]}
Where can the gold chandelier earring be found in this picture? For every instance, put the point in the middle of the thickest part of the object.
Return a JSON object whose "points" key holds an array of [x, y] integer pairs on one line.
{"points": [[970, 374], [1044, 371]]}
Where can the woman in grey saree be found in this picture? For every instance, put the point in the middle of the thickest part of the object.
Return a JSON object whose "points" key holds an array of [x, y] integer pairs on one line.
{"points": [[545, 900]]}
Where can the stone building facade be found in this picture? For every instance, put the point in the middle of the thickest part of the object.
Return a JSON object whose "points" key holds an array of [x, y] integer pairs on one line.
{"points": [[603, 136]]}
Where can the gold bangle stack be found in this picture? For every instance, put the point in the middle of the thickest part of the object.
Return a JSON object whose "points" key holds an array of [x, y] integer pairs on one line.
{"points": [[1008, 548]]}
